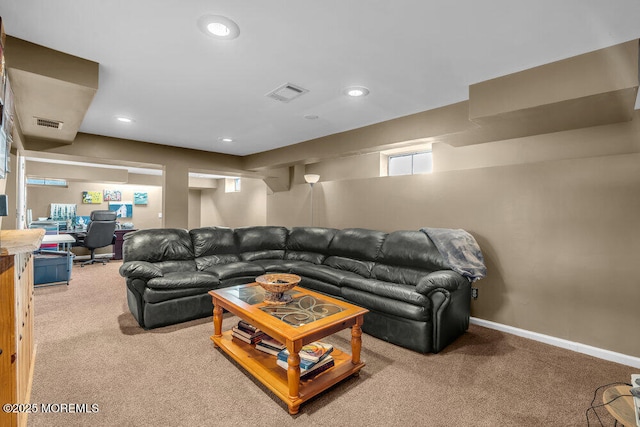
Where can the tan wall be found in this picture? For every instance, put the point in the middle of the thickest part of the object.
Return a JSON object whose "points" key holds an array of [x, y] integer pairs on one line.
{"points": [[560, 235], [247, 207], [351, 167], [195, 206], [144, 216]]}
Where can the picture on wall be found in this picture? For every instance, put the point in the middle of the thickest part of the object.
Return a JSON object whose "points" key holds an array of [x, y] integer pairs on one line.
{"points": [[122, 209], [140, 198], [83, 221], [92, 197], [112, 196]]}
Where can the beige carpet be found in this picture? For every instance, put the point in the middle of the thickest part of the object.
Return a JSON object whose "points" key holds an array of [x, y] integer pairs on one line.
{"points": [[90, 350]]}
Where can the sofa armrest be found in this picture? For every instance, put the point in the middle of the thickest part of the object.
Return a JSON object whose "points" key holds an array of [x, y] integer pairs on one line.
{"points": [[140, 269], [441, 280]]}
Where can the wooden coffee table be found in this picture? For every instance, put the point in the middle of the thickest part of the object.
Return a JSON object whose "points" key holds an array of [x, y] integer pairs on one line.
{"points": [[309, 317]]}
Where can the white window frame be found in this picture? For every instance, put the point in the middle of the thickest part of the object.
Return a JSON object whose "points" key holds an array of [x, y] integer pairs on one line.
{"points": [[412, 155], [232, 185], [48, 182]]}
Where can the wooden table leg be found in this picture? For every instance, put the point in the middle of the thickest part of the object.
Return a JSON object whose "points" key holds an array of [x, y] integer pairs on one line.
{"points": [[217, 320], [356, 341], [293, 373]]}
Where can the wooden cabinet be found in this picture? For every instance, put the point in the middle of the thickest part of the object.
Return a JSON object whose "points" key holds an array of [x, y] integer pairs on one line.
{"points": [[17, 351]]}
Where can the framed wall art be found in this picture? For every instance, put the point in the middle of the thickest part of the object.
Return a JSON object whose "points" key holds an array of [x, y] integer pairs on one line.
{"points": [[140, 198], [122, 209], [92, 197], [112, 196]]}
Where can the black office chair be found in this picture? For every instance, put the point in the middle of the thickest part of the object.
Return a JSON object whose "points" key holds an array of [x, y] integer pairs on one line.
{"points": [[100, 233]]}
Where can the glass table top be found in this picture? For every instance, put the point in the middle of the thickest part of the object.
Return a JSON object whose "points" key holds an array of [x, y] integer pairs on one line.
{"points": [[302, 309]]}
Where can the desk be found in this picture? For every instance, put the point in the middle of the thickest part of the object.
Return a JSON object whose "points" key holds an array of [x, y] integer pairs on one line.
{"points": [[66, 240], [53, 267]]}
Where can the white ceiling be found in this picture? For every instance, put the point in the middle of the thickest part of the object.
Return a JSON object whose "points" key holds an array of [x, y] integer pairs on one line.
{"points": [[186, 89]]}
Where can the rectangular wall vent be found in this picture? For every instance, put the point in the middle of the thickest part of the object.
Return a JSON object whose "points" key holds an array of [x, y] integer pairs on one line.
{"points": [[47, 123], [287, 92]]}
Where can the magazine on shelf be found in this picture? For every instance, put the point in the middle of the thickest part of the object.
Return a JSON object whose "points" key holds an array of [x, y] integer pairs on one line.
{"points": [[312, 352], [305, 364]]}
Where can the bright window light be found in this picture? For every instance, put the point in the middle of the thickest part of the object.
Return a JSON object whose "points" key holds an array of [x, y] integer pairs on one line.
{"points": [[47, 181], [411, 164], [232, 185]]}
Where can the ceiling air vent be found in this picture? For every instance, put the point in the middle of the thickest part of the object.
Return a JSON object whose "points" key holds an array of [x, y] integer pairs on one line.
{"points": [[47, 123], [287, 92]]}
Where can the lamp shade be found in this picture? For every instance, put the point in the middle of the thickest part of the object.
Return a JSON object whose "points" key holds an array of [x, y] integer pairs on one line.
{"points": [[311, 178]]}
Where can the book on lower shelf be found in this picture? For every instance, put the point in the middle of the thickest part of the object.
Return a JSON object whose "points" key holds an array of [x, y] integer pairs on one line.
{"points": [[270, 345], [320, 350], [326, 363], [312, 352], [247, 333]]}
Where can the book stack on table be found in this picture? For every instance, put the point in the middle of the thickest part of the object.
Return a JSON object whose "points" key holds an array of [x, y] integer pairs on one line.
{"points": [[247, 332], [314, 358]]}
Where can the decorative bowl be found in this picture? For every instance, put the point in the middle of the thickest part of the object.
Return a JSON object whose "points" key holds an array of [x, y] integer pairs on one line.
{"points": [[275, 285]]}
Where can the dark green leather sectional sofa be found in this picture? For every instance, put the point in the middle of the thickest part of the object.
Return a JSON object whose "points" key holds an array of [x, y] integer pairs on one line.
{"points": [[415, 299]]}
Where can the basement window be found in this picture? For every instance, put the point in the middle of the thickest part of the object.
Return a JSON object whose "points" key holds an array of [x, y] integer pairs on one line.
{"points": [[47, 182], [410, 164], [232, 185]]}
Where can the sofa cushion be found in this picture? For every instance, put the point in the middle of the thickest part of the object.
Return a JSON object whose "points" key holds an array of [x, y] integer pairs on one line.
{"points": [[141, 269], [236, 269], [406, 257], [386, 305], [278, 265], [204, 262], [357, 243], [412, 249], [183, 279], [309, 243], [176, 266], [406, 293], [323, 273], [362, 268], [154, 245], [394, 274], [153, 295], [262, 242], [213, 241]]}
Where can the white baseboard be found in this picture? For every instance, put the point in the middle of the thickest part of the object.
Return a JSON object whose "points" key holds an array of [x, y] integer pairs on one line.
{"points": [[559, 342]]}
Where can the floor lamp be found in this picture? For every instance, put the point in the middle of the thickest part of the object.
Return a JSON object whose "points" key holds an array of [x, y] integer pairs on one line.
{"points": [[311, 179]]}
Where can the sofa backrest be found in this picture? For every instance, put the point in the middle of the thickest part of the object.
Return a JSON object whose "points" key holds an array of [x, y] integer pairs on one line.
{"points": [[355, 249], [156, 245], [309, 244], [213, 246], [261, 242], [169, 248], [405, 256]]}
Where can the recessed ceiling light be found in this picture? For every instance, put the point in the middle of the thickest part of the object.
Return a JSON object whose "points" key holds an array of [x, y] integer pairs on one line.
{"points": [[310, 116], [124, 119], [219, 27], [356, 91], [225, 139]]}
